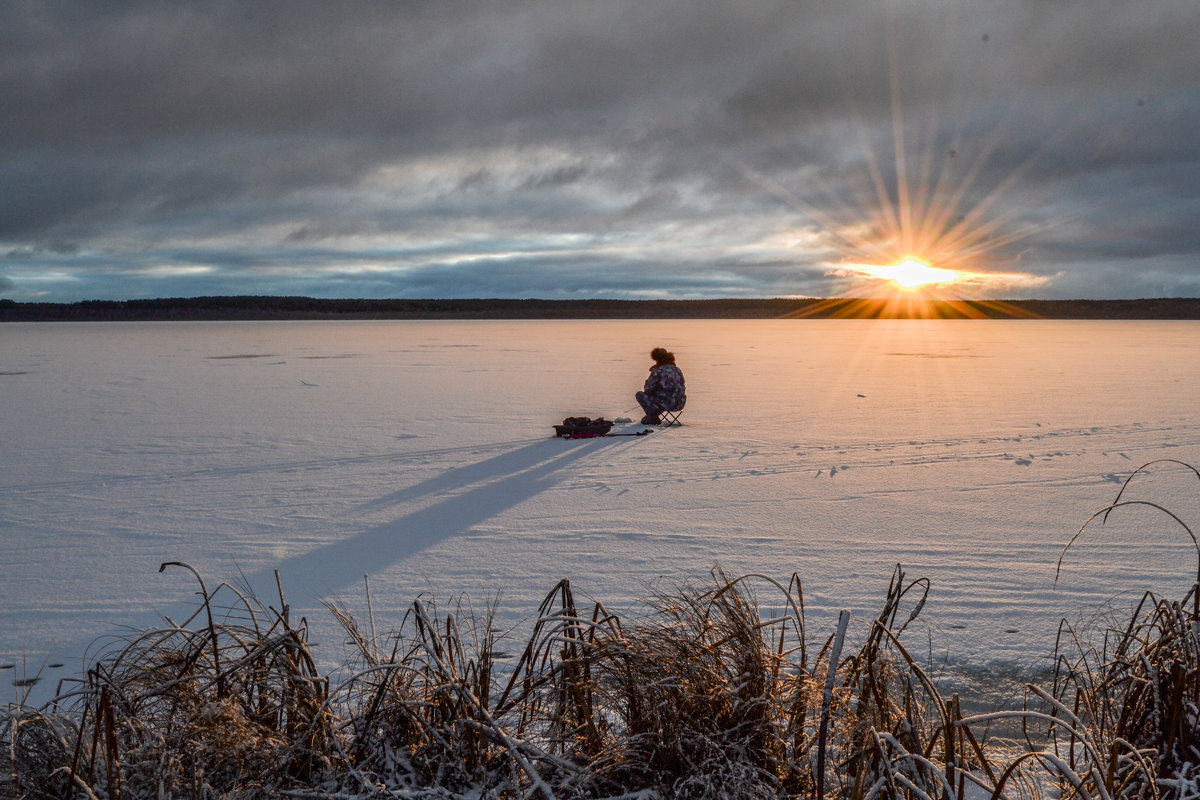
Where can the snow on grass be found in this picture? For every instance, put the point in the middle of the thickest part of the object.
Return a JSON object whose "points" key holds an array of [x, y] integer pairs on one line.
{"points": [[699, 695]]}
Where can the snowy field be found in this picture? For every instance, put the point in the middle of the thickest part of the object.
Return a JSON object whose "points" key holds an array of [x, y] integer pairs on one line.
{"points": [[421, 453]]}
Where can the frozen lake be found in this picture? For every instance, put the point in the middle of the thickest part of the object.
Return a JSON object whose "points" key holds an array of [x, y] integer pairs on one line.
{"points": [[421, 453]]}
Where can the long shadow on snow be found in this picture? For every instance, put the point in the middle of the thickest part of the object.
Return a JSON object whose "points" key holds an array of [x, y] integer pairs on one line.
{"points": [[478, 492]]}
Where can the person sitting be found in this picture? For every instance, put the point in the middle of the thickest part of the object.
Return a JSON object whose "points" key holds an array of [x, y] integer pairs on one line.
{"points": [[664, 389]]}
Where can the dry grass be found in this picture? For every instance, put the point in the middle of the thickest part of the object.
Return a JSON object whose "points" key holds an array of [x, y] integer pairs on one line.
{"points": [[190, 710], [699, 695]]}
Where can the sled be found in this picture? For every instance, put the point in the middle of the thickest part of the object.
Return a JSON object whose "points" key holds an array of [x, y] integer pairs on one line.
{"points": [[586, 428], [580, 427]]}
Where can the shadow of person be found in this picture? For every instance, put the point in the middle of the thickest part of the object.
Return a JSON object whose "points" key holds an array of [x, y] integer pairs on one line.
{"points": [[506, 463], [475, 493]]}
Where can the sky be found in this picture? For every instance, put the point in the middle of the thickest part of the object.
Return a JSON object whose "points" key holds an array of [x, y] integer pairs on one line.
{"points": [[642, 150]]}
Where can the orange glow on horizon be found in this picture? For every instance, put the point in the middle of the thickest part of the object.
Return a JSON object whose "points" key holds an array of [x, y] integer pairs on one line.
{"points": [[909, 305]]}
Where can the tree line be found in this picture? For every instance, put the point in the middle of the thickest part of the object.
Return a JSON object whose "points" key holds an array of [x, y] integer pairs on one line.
{"points": [[250, 307]]}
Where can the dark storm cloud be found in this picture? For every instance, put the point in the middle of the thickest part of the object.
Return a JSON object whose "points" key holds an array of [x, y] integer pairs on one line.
{"points": [[583, 148]]}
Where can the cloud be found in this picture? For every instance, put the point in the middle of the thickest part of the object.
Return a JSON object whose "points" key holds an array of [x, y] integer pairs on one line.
{"points": [[464, 148]]}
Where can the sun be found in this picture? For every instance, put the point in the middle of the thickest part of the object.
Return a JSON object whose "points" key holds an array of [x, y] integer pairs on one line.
{"points": [[912, 273]]}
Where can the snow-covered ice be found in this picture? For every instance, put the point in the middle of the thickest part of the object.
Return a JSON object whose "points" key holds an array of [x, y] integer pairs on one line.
{"points": [[421, 453]]}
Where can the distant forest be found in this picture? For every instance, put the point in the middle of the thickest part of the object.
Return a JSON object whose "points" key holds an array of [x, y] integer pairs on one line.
{"points": [[299, 308]]}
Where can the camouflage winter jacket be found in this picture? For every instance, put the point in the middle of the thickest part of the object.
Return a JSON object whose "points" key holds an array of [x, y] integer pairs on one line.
{"points": [[665, 387]]}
